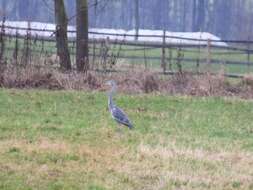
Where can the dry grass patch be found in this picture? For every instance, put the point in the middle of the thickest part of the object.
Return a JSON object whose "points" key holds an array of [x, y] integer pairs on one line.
{"points": [[147, 167], [48, 160], [43, 145], [136, 81], [191, 167]]}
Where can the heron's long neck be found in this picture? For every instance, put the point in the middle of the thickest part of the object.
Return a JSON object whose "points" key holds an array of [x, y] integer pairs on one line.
{"points": [[110, 97], [110, 100]]}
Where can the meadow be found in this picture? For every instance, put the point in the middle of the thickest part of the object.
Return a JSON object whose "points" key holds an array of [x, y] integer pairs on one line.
{"points": [[67, 140]]}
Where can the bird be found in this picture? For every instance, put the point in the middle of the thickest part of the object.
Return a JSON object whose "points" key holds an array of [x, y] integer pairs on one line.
{"points": [[117, 114]]}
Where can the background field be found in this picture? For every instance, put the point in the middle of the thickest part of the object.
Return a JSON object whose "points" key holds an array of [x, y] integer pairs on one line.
{"points": [[67, 140], [231, 61], [123, 55]]}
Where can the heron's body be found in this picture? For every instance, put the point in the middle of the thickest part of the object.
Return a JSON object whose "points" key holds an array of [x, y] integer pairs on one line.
{"points": [[117, 114]]}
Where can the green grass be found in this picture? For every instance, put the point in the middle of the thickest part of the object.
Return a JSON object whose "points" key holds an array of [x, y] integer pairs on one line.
{"points": [[67, 140]]}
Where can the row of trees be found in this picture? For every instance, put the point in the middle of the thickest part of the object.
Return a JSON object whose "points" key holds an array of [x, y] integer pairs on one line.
{"points": [[229, 19], [225, 18], [61, 19]]}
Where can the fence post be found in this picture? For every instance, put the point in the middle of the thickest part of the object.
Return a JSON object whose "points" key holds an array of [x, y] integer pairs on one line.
{"points": [[42, 49], [2, 35], [180, 56], [27, 51], [248, 55], [208, 55], [29, 43], [73, 53], [15, 53], [118, 52], [145, 57], [104, 53], [94, 55], [197, 61], [163, 61], [170, 59]]}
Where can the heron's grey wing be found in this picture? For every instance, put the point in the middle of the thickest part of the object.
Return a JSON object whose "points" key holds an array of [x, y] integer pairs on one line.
{"points": [[121, 117]]}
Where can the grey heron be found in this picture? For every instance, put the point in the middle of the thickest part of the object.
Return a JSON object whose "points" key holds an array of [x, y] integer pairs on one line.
{"points": [[117, 114]]}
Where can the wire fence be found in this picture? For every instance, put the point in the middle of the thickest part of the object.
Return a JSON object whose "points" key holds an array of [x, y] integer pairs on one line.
{"points": [[122, 52]]}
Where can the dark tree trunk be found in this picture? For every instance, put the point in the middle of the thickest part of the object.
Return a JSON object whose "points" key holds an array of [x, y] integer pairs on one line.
{"points": [[61, 35], [2, 42], [82, 50], [136, 19]]}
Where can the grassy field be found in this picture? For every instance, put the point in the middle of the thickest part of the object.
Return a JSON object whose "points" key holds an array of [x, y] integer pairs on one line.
{"points": [[67, 140]]}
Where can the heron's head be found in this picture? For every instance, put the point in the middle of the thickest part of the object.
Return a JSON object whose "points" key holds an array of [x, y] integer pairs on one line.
{"points": [[112, 83]]}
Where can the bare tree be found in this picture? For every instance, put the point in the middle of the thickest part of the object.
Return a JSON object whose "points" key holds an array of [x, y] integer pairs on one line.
{"points": [[82, 49], [61, 35]]}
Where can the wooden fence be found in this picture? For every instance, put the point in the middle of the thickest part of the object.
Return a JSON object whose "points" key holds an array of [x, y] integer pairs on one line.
{"points": [[121, 54]]}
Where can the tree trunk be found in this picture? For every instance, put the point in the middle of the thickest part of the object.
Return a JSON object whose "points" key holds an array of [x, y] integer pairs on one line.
{"points": [[82, 49], [136, 19], [61, 35]]}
